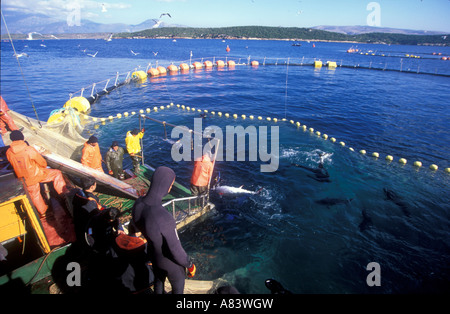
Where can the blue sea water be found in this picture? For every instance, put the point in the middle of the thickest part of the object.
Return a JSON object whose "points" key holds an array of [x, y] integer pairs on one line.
{"points": [[392, 104]]}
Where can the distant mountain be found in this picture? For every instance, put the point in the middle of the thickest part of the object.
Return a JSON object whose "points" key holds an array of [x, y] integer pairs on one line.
{"points": [[356, 30], [23, 23]]}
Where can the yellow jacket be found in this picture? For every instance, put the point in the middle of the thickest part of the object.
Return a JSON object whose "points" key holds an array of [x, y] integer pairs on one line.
{"points": [[132, 142]]}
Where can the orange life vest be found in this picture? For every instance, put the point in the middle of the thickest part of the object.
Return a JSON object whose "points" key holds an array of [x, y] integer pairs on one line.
{"points": [[203, 168]]}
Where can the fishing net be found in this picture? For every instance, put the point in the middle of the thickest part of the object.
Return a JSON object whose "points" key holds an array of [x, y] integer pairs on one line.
{"points": [[63, 136]]}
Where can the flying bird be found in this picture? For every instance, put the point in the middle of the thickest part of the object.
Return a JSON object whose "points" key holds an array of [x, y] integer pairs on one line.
{"points": [[93, 56], [155, 53], [22, 54], [104, 8], [135, 53], [165, 14]]}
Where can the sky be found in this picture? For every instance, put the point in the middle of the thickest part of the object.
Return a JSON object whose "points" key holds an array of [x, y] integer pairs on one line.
{"points": [[430, 15]]}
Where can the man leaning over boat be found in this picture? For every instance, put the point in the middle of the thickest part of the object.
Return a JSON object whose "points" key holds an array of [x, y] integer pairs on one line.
{"points": [[30, 166]]}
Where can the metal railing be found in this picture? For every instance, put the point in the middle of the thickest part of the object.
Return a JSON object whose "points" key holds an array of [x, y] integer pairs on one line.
{"points": [[186, 201]]}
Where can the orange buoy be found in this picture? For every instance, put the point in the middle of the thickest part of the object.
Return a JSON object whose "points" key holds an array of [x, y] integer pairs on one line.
{"points": [[184, 67], [228, 49], [197, 65], [162, 70], [255, 63], [220, 64], [208, 64], [153, 72], [231, 63], [172, 68]]}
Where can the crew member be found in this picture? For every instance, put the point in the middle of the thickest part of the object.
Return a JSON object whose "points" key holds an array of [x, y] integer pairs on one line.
{"points": [[85, 205], [203, 169], [134, 147], [159, 228], [90, 155], [32, 167], [5, 118], [114, 160]]}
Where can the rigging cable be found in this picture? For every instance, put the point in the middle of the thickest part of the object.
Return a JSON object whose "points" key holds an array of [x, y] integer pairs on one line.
{"points": [[21, 71]]}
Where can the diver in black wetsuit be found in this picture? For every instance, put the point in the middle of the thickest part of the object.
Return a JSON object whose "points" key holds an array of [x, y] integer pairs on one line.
{"points": [[159, 228], [320, 173]]}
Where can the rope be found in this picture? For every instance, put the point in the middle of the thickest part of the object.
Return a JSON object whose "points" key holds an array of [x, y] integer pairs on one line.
{"points": [[21, 71]]}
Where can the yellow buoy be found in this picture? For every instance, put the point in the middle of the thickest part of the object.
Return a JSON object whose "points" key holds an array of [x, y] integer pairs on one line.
{"points": [[219, 114], [318, 133], [259, 118], [139, 75], [119, 115], [235, 116], [311, 130], [417, 164], [350, 148], [269, 118], [332, 65], [275, 120], [332, 140], [208, 64], [317, 64], [125, 114], [362, 151], [434, 167], [79, 103], [148, 110], [231, 63], [325, 136], [402, 161], [251, 117], [447, 170], [297, 124], [389, 158], [227, 115], [254, 63], [243, 116], [342, 143], [375, 154]]}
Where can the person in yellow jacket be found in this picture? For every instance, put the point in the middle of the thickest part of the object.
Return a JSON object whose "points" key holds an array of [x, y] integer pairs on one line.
{"points": [[134, 147], [90, 155]]}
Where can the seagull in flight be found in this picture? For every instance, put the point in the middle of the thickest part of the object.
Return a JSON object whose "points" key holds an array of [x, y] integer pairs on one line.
{"points": [[165, 14], [22, 54], [135, 53], [155, 53], [93, 56]]}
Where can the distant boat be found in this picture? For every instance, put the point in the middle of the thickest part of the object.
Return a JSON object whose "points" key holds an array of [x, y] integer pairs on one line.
{"points": [[296, 45], [109, 38]]}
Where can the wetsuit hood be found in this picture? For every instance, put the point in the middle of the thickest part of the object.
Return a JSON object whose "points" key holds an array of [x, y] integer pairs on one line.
{"points": [[162, 179]]}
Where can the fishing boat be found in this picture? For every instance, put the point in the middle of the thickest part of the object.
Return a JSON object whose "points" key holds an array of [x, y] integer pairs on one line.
{"points": [[32, 246]]}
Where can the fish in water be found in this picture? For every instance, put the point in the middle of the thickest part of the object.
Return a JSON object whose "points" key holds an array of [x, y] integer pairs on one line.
{"points": [[231, 190], [392, 196], [366, 223], [333, 201]]}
